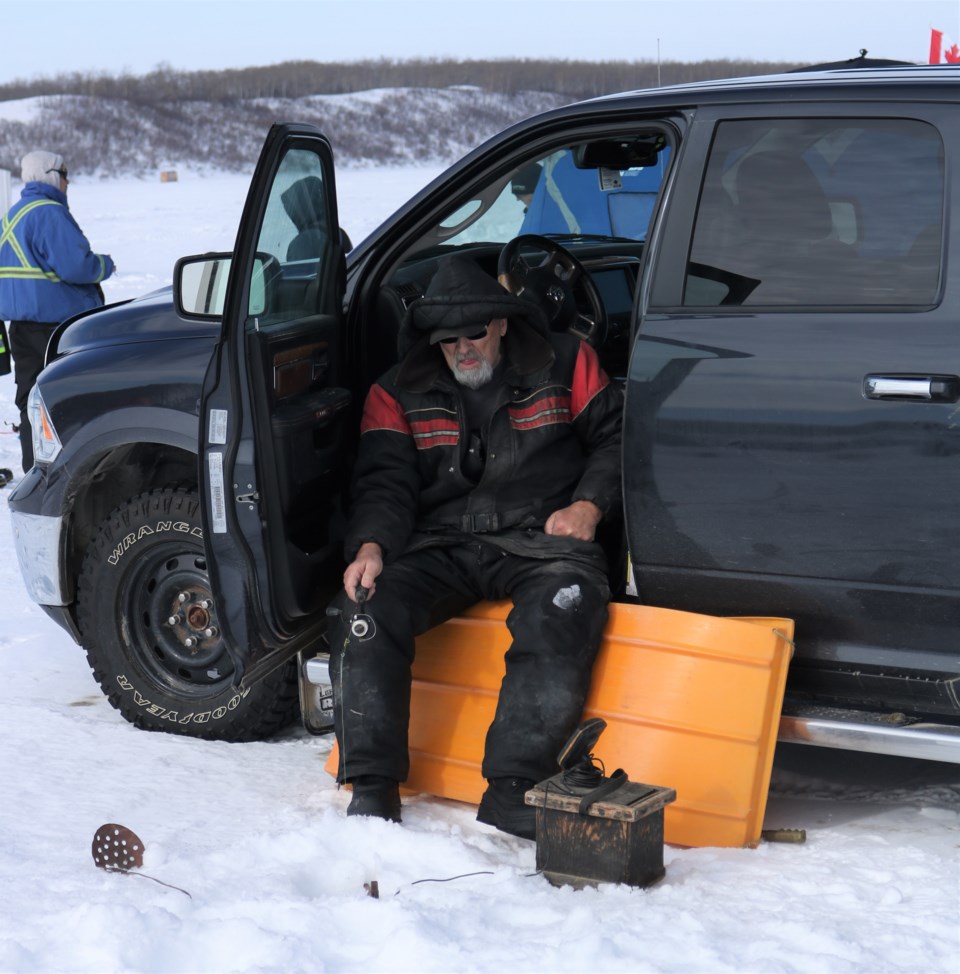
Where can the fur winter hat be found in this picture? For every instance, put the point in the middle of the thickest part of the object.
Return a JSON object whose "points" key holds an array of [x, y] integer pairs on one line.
{"points": [[41, 167], [460, 298]]}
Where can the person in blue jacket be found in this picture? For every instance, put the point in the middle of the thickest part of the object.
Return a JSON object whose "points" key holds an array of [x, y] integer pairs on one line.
{"points": [[48, 273]]}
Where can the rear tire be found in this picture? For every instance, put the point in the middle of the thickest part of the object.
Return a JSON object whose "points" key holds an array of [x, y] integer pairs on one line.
{"points": [[148, 623]]}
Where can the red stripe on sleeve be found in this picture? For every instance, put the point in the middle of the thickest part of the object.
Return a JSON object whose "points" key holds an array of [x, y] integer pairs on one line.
{"points": [[382, 412], [588, 379]]}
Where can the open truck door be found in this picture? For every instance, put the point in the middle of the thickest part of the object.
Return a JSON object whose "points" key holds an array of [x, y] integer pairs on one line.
{"points": [[274, 419]]}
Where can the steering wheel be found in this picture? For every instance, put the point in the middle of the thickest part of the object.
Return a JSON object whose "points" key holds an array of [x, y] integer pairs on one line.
{"points": [[553, 284]]}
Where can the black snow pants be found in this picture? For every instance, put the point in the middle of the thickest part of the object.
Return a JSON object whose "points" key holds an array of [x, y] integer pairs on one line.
{"points": [[560, 610], [28, 343]]}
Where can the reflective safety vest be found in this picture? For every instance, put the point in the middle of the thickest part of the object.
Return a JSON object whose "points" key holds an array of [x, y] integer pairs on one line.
{"points": [[25, 271], [47, 270]]}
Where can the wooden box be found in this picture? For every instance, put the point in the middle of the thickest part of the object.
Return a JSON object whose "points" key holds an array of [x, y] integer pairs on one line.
{"points": [[618, 840]]}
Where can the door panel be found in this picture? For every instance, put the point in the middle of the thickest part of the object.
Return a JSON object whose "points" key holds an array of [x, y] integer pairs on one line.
{"points": [[773, 472], [274, 409]]}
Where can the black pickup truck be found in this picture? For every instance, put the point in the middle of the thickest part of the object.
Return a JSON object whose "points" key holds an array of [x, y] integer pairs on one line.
{"points": [[770, 268]]}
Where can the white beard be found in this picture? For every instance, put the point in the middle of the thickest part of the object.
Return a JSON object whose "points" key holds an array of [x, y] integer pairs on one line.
{"points": [[473, 378]]}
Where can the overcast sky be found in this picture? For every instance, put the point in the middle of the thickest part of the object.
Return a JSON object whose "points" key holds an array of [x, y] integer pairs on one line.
{"points": [[135, 36]]}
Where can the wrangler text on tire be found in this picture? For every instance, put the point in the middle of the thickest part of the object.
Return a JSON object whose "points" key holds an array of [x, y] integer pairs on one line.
{"points": [[148, 622]]}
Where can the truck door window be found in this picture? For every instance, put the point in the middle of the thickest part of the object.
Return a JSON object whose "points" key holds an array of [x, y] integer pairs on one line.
{"points": [[819, 212], [294, 242]]}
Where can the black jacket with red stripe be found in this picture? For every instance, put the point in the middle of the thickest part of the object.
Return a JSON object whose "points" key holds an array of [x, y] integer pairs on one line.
{"points": [[553, 438]]}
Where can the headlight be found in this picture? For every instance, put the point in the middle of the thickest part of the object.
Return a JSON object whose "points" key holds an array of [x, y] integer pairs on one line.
{"points": [[46, 443]]}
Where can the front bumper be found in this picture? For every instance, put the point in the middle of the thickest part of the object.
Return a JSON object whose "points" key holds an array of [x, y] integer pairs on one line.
{"points": [[37, 538], [37, 541], [38, 533]]}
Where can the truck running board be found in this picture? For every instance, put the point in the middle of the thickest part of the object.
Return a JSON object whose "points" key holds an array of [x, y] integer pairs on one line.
{"points": [[875, 734]]}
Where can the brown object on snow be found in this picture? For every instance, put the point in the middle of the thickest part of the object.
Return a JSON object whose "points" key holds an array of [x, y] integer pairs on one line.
{"points": [[117, 847]]}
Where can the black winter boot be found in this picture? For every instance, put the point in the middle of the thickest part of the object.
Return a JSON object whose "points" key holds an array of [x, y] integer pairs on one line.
{"points": [[502, 806], [375, 796]]}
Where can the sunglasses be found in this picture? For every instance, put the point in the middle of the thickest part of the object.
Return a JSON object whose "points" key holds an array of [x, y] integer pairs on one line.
{"points": [[63, 172], [470, 338]]}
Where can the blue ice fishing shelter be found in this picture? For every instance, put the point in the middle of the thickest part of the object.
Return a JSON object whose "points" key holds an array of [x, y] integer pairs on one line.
{"points": [[610, 203]]}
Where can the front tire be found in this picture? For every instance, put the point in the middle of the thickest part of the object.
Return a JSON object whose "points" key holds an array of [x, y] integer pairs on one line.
{"points": [[149, 626]]}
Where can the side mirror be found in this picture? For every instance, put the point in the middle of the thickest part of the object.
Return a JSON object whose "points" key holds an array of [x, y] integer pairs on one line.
{"points": [[200, 285]]}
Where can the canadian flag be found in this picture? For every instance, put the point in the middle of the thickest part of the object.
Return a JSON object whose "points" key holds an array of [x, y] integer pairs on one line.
{"points": [[943, 51]]}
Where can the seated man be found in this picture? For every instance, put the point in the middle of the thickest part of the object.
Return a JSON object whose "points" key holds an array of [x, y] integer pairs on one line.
{"points": [[488, 456]]}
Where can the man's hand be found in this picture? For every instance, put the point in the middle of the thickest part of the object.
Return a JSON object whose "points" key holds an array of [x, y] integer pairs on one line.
{"points": [[363, 570], [579, 520]]}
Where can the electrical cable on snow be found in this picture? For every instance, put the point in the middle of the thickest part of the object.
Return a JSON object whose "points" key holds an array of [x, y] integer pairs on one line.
{"points": [[445, 879]]}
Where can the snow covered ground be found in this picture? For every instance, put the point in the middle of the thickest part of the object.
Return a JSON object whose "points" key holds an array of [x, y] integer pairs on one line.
{"points": [[264, 873]]}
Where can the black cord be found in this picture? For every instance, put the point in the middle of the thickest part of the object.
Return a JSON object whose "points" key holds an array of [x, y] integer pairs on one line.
{"points": [[448, 879], [588, 773]]}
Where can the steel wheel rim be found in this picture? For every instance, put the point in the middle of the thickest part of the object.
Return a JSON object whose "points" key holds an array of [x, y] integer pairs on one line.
{"points": [[151, 599]]}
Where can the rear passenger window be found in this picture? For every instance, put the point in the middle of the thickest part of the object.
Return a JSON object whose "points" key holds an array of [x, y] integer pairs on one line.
{"points": [[819, 212]]}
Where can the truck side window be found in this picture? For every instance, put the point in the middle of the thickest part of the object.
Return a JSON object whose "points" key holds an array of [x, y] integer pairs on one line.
{"points": [[556, 195], [834, 211]]}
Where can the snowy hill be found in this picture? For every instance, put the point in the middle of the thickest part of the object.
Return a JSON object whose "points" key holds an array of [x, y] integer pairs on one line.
{"points": [[383, 112], [384, 126]]}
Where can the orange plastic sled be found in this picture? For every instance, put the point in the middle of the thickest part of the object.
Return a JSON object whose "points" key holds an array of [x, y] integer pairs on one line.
{"points": [[692, 702]]}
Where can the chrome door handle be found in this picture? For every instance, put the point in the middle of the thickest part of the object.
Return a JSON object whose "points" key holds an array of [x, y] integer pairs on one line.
{"points": [[926, 388]]}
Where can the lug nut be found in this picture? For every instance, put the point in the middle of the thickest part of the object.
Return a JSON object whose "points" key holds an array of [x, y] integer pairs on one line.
{"points": [[210, 632], [173, 620], [189, 642], [183, 596]]}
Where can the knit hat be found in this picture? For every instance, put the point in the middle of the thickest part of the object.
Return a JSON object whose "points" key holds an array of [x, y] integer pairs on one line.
{"points": [[42, 167]]}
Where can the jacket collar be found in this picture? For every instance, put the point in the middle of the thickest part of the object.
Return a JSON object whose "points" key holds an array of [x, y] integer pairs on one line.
{"points": [[44, 189]]}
